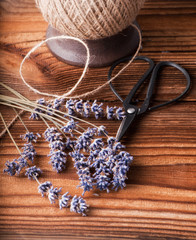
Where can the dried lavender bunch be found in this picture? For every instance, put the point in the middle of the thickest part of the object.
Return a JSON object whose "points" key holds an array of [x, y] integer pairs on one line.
{"points": [[105, 167], [100, 164]]}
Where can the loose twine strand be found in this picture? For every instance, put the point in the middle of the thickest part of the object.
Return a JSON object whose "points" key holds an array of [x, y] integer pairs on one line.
{"points": [[67, 94]]}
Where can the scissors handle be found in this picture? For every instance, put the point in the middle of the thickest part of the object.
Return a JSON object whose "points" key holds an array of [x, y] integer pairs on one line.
{"points": [[138, 84], [145, 105], [155, 70]]}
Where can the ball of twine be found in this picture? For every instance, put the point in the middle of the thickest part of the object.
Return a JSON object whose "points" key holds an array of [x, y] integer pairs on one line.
{"points": [[89, 19]]}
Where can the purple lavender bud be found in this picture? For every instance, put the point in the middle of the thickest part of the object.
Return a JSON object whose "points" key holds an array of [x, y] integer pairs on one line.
{"points": [[57, 103], [101, 130], [33, 172], [111, 141], [110, 112], [86, 181], [98, 164], [80, 164], [58, 160], [120, 114], [125, 158], [30, 137], [64, 201], [118, 182], [97, 144], [97, 109], [34, 116], [12, 167], [103, 182], [77, 156], [79, 106], [118, 146], [86, 109], [57, 145], [44, 187], [70, 106], [28, 152], [93, 155], [78, 205], [22, 163], [70, 144], [53, 194], [52, 134], [70, 127], [104, 152], [42, 101], [84, 140]]}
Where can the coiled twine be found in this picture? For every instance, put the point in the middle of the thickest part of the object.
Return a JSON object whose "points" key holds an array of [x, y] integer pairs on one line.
{"points": [[89, 19]]}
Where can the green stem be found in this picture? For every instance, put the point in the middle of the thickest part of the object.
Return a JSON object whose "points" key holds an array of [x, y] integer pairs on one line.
{"points": [[10, 133]]}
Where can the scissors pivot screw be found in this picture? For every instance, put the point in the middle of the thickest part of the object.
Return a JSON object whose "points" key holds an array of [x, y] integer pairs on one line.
{"points": [[130, 110]]}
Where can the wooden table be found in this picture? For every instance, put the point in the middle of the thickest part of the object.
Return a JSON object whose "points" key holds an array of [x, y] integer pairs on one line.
{"points": [[159, 201]]}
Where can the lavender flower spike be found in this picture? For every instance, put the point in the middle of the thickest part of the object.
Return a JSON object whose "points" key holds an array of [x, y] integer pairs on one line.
{"points": [[44, 187], [53, 194], [64, 201], [78, 205]]}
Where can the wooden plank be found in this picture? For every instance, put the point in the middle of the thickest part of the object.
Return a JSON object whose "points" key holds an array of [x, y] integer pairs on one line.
{"points": [[159, 200]]}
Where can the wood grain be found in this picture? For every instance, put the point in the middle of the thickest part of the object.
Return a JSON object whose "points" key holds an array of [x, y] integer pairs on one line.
{"points": [[159, 201]]}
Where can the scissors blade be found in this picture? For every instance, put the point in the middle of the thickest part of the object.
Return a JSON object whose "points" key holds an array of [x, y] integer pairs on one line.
{"points": [[125, 124]]}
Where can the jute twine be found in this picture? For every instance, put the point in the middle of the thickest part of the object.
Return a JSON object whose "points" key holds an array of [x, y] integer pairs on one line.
{"points": [[89, 19], [68, 93]]}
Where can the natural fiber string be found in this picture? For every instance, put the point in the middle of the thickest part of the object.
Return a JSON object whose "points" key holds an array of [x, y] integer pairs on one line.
{"points": [[39, 45], [67, 94]]}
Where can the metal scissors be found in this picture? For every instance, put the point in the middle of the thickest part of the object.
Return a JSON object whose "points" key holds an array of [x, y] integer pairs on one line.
{"points": [[131, 110]]}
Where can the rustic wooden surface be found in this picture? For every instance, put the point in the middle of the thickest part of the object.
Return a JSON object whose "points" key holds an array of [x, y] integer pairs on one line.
{"points": [[159, 201]]}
